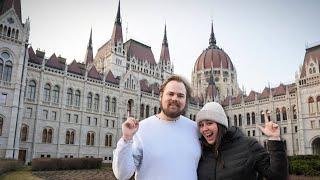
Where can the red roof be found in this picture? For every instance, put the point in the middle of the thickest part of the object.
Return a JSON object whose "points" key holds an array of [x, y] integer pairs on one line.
{"points": [[139, 51], [33, 57], [251, 97], [77, 68], [280, 90], [312, 53], [265, 93], [226, 101], [236, 100], [5, 5], [111, 79], [93, 73], [57, 63], [213, 57]]}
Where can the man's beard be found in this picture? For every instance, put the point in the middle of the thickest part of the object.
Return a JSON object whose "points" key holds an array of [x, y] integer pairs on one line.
{"points": [[172, 114]]}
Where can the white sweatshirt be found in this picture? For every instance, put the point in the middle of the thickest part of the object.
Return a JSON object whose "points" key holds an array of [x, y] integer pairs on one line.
{"points": [[160, 150]]}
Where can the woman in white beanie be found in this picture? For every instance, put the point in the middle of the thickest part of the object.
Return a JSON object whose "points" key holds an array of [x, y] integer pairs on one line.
{"points": [[228, 154]]}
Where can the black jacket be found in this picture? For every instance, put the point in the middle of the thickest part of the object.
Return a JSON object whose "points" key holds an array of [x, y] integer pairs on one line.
{"points": [[241, 157]]}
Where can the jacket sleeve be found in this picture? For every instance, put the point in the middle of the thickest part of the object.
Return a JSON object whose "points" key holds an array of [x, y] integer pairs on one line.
{"points": [[127, 158], [272, 165]]}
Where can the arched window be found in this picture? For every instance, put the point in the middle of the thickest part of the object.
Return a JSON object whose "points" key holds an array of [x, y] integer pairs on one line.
{"points": [[46, 92], [148, 109], [142, 111], [311, 105], [262, 117], [17, 34], [7, 71], [24, 133], [114, 105], [294, 111], [9, 32], [1, 28], [13, 33], [1, 68], [253, 118], [70, 136], [56, 94], [1, 125], [96, 102], [31, 91], [268, 115], [278, 117], [77, 98], [284, 113], [5, 30], [235, 120], [108, 140], [248, 118], [47, 135], [50, 136], [69, 96], [155, 110], [240, 120], [90, 138], [318, 103], [89, 100], [107, 104], [130, 107]]}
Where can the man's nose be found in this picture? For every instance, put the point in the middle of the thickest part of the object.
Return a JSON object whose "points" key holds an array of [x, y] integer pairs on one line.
{"points": [[175, 97]]}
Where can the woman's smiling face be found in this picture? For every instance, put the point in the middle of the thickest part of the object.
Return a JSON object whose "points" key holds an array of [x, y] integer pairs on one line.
{"points": [[209, 130]]}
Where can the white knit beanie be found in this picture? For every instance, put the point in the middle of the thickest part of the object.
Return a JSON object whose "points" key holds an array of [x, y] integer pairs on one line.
{"points": [[212, 111]]}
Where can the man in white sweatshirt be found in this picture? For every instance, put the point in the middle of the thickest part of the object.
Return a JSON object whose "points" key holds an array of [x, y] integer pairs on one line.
{"points": [[164, 146]]}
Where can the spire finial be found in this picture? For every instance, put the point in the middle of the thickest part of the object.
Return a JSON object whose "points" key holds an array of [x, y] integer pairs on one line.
{"points": [[90, 39], [118, 18], [165, 40], [212, 40]]}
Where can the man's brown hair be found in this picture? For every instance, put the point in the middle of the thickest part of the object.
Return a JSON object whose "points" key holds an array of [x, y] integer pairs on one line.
{"points": [[178, 79]]}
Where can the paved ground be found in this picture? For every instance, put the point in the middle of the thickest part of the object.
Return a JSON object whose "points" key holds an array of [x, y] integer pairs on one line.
{"points": [[97, 174], [105, 173]]}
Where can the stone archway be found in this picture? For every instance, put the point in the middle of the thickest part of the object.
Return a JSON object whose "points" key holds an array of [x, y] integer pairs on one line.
{"points": [[316, 146]]}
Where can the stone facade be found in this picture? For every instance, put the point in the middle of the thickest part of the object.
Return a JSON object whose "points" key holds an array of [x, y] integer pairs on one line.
{"points": [[49, 108], [295, 107]]}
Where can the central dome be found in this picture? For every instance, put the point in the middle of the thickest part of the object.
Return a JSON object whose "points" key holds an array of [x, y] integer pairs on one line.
{"points": [[213, 57]]}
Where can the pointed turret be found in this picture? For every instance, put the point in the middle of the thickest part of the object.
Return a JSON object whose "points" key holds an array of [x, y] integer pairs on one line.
{"points": [[165, 55], [6, 5], [212, 40], [89, 54], [117, 29]]}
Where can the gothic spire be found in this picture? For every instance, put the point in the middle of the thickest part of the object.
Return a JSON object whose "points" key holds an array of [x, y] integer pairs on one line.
{"points": [[89, 54], [212, 40], [118, 18], [6, 5], [165, 40], [117, 29], [165, 55]]}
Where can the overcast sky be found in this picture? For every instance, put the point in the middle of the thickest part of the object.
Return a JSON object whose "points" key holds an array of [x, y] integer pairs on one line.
{"points": [[265, 40]]}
